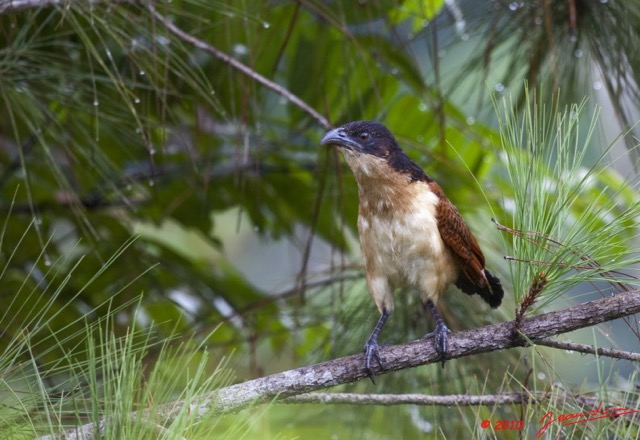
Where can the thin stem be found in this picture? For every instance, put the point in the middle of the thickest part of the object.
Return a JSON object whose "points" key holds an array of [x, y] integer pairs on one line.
{"points": [[288, 95], [589, 349]]}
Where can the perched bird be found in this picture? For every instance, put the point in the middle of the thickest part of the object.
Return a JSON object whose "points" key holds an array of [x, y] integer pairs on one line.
{"points": [[411, 234]]}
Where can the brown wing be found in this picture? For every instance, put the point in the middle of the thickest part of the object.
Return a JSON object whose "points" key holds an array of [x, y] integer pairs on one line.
{"points": [[455, 233]]}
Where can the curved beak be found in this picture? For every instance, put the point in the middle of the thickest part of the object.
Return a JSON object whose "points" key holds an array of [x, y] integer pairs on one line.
{"points": [[340, 138]]}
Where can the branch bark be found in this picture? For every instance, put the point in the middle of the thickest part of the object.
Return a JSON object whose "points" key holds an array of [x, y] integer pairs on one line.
{"points": [[351, 368], [421, 352], [418, 399]]}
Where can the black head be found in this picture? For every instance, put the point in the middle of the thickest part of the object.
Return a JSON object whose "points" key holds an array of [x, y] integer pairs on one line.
{"points": [[370, 137]]}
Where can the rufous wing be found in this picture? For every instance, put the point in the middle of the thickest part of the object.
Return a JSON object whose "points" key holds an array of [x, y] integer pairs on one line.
{"points": [[473, 277]]}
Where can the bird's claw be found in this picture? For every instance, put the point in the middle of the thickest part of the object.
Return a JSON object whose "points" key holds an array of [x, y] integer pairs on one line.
{"points": [[372, 351], [440, 335]]}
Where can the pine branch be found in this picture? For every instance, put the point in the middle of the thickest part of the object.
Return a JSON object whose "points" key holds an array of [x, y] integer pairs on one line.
{"points": [[351, 368], [11, 6]]}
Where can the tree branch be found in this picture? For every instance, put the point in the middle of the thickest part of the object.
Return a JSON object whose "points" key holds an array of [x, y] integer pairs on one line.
{"points": [[417, 399], [351, 368], [588, 349], [457, 400]]}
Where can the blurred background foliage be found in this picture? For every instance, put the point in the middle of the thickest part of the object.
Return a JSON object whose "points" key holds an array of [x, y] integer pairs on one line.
{"points": [[114, 127]]}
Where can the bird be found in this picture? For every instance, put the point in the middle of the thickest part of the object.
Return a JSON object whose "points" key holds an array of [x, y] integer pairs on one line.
{"points": [[410, 233]]}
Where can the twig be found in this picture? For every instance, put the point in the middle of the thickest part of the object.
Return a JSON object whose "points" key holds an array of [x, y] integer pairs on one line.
{"points": [[457, 400], [537, 285], [8, 6], [288, 95], [417, 399], [351, 368], [589, 349], [556, 244], [289, 293]]}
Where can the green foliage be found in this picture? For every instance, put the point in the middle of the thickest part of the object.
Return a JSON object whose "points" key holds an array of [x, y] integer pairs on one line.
{"points": [[114, 127], [564, 208], [418, 12], [115, 385]]}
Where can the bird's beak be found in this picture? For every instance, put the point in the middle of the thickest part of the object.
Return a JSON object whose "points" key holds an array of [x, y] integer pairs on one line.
{"points": [[340, 138]]}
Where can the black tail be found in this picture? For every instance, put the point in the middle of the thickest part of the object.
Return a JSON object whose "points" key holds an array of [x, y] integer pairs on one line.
{"points": [[488, 287], [492, 296]]}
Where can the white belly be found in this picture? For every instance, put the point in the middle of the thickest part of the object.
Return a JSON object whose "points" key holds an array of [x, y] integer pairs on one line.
{"points": [[405, 247]]}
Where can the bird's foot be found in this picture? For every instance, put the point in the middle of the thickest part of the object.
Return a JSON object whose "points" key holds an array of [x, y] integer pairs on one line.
{"points": [[372, 351], [440, 335]]}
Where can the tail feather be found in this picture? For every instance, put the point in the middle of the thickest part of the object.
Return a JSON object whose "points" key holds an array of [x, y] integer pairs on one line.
{"points": [[488, 287], [493, 295]]}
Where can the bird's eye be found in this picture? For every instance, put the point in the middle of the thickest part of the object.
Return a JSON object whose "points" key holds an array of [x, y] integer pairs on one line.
{"points": [[364, 136]]}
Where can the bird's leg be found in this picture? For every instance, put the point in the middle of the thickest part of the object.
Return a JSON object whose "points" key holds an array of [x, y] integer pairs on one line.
{"points": [[371, 348], [440, 333]]}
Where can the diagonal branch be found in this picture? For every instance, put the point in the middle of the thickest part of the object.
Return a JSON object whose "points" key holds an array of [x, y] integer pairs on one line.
{"points": [[421, 352], [283, 91], [351, 368], [12, 6]]}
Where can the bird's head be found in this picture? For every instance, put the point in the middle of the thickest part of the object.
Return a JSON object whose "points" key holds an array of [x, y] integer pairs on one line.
{"points": [[372, 152], [362, 137]]}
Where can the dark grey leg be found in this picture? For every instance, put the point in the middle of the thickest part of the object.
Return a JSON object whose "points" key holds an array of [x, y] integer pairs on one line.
{"points": [[372, 348], [440, 333]]}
